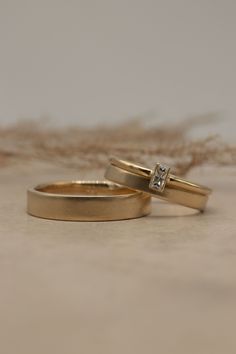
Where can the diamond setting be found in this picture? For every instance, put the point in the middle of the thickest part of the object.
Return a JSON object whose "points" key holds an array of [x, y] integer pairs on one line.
{"points": [[159, 178]]}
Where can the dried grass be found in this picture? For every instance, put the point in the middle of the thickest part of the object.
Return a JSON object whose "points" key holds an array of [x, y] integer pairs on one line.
{"points": [[90, 147]]}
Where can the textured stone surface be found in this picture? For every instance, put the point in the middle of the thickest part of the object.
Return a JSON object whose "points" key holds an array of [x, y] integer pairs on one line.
{"points": [[160, 284]]}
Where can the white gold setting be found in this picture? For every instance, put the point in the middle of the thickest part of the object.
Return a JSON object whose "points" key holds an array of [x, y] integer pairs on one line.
{"points": [[159, 178]]}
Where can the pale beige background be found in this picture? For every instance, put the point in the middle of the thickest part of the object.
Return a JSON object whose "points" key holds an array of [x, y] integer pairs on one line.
{"points": [[92, 61]]}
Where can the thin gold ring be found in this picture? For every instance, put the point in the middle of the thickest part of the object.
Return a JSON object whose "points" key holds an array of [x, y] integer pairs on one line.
{"points": [[86, 201], [158, 182]]}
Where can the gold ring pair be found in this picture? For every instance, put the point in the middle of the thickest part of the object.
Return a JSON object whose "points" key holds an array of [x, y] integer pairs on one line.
{"points": [[127, 195]]}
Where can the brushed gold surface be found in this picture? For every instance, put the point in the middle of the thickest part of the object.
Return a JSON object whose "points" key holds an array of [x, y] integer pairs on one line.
{"points": [[177, 190], [86, 201]]}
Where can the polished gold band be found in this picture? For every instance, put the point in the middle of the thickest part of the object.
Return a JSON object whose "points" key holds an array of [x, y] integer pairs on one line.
{"points": [[86, 201], [167, 186]]}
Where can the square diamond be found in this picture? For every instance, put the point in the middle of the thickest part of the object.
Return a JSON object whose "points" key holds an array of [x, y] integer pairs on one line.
{"points": [[159, 178]]}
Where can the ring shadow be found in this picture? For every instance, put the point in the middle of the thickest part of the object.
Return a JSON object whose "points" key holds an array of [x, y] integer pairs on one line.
{"points": [[162, 209]]}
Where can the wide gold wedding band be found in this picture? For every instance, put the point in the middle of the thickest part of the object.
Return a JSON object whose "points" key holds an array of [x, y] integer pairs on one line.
{"points": [[158, 182], [86, 201]]}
